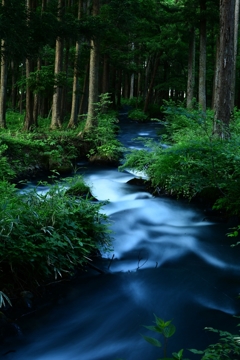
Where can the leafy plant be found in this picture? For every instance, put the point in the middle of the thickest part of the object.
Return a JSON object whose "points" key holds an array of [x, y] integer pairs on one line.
{"points": [[166, 329], [226, 349], [196, 163], [46, 235], [102, 139], [137, 114]]}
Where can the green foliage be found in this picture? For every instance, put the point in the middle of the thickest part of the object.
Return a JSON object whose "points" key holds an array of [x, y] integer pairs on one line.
{"points": [[227, 348], [6, 172], [134, 102], [45, 235], [78, 187], [102, 139], [166, 329], [137, 114], [195, 162]]}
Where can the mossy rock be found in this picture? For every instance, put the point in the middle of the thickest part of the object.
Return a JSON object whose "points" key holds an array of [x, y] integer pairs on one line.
{"points": [[79, 188]]}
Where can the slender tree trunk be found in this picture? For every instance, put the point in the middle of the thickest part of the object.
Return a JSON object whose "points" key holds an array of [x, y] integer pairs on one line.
{"points": [[224, 91], [236, 23], [93, 76], [56, 121], [74, 113], [105, 77], [202, 57], [150, 89], [191, 69], [29, 121], [36, 98], [3, 87], [14, 88], [126, 86], [83, 101]]}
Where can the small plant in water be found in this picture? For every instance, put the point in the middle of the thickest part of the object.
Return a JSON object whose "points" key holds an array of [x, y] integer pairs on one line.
{"points": [[166, 329]]}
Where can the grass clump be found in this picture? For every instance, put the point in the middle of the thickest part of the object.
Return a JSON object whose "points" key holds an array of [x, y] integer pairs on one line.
{"points": [[46, 236]]}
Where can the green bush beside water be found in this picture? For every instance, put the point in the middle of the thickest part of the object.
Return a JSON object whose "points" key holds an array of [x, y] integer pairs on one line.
{"points": [[46, 236], [196, 163]]}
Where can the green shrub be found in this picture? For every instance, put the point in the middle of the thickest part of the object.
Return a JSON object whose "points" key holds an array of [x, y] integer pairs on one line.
{"points": [[196, 162], [137, 114], [46, 235], [102, 140], [226, 348], [6, 172], [78, 187]]}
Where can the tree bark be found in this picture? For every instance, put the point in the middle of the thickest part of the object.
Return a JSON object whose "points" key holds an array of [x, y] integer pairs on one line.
{"points": [[224, 90], [29, 121], [150, 89], [3, 88], [191, 69], [236, 23], [56, 121], [74, 111], [202, 57], [93, 76]]}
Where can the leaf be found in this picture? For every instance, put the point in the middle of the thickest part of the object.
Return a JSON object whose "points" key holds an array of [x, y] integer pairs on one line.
{"points": [[169, 331], [2, 297], [154, 328], [194, 351], [152, 341]]}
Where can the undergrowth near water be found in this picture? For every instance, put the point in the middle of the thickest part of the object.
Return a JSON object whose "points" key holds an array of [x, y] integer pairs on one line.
{"points": [[46, 236], [195, 163], [227, 348], [102, 140]]}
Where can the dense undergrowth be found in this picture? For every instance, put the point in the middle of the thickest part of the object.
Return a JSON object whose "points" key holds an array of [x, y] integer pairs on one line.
{"points": [[48, 236], [196, 163]]}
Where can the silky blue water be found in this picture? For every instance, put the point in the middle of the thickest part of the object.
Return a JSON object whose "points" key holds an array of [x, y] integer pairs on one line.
{"points": [[168, 259]]}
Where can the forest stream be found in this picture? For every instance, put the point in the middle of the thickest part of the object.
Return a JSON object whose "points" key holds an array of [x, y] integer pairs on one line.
{"points": [[168, 259]]}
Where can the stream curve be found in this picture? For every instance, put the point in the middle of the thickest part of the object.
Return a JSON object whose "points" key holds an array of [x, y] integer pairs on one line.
{"points": [[167, 259]]}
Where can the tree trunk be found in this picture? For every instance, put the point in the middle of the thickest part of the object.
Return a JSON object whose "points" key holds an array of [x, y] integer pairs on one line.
{"points": [[224, 91], [14, 88], [93, 76], [191, 69], [105, 77], [56, 121], [74, 111], [83, 101], [29, 121], [3, 88], [236, 22], [202, 57], [150, 89], [36, 98]]}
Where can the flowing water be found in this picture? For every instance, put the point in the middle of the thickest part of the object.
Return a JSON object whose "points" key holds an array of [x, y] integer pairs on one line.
{"points": [[168, 259]]}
